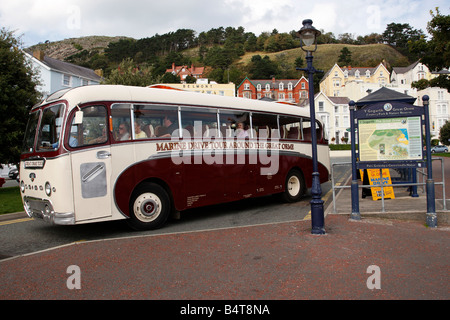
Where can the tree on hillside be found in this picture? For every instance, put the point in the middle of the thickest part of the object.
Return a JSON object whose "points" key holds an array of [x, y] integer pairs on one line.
{"points": [[435, 54], [399, 35], [17, 93], [262, 68], [326, 37], [130, 74], [346, 38], [345, 58], [280, 42]]}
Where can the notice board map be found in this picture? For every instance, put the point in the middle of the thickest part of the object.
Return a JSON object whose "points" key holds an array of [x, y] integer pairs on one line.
{"points": [[390, 139]]}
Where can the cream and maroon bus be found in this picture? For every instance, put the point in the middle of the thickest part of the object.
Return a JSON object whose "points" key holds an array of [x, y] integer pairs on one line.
{"points": [[100, 153]]}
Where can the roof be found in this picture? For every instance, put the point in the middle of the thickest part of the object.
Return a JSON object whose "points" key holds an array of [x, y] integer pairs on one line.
{"points": [[186, 70], [339, 100], [401, 70], [385, 94], [69, 68], [119, 93], [351, 70]]}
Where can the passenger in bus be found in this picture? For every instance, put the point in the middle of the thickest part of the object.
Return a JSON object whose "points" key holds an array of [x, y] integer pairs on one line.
{"points": [[124, 131], [138, 132], [170, 124], [161, 131], [169, 127], [241, 131], [101, 138]]}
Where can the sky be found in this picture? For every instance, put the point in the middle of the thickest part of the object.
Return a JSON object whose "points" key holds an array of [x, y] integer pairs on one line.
{"points": [[37, 21]]}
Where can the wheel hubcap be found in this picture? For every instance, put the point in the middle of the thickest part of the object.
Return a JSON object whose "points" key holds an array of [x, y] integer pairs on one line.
{"points": [[293, 186], [147, 207]]}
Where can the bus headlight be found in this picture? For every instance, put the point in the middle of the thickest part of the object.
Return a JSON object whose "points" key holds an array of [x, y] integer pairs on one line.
{"points": [[22, 186], [48, 189]]}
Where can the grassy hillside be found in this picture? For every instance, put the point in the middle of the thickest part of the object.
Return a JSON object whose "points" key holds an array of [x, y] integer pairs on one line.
{"points": [[328, 54]]}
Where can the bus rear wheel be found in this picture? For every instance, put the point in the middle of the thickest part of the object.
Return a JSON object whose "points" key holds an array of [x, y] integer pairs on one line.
{"points": [[149, 207], [295, 186]]}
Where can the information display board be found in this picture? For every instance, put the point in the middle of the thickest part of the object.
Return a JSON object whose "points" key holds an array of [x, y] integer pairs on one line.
{"points": [[390, 139]]}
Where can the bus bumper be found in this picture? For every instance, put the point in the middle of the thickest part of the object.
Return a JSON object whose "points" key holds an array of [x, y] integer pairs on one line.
{"points": [[43, 209]]}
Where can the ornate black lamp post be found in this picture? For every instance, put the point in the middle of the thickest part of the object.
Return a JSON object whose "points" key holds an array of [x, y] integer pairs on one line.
{"points": [[308, 43]]}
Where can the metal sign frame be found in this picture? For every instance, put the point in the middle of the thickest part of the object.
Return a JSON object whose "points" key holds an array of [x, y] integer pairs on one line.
{"points": [[391, 110]]}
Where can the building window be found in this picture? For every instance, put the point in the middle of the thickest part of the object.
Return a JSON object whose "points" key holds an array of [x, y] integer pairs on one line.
{"points": [[281, 96], [84, 82], [303, 85], [367, 74], [346, 74], [267, 87], [346, 121], [258, 87], [321, 106], [67, 80], [281, 86], [290, 86], [246, 86], [357, 74]]}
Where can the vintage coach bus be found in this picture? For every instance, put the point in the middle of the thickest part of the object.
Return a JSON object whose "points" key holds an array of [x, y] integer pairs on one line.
{"points": [[99, 153]]}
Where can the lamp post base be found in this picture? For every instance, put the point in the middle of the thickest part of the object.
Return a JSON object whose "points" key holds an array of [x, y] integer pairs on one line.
{"points": [[317, 217], [317, 211]]}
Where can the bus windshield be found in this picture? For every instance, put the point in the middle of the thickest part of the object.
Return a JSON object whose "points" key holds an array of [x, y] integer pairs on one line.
{"points": [[49, 129]]}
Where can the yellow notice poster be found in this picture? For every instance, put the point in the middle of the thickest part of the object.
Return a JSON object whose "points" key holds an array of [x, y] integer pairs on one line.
{"points": [[375, 180]]}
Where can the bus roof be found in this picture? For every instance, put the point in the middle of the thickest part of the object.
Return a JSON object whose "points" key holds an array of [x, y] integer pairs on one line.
{"points": [[119, 93]]}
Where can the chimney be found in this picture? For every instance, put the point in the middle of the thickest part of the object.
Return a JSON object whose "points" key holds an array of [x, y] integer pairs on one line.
{"points": [[99, 72], [39, 54], [173, 66]]}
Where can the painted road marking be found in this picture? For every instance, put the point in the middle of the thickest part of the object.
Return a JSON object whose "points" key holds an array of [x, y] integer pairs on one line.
{"points": [[4, 223], [325, 198]]}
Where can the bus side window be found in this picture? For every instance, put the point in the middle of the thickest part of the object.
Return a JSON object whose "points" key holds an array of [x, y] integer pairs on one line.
{"points": [[290, 128], [155, 121], [197, 122], [265, 126], [92, 131], [229, 121], [306, 125], [120, 114]]}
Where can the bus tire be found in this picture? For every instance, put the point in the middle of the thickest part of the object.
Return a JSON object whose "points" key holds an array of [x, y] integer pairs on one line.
{"points": [[295, 186], [149, 207]]}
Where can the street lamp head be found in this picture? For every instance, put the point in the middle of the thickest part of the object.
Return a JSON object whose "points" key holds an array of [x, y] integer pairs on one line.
{"points": [[426, 99], [308, 35]]}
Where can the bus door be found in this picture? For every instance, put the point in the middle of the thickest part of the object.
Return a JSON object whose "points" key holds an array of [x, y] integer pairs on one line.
{"points": [[91, 163], [241, 176]]}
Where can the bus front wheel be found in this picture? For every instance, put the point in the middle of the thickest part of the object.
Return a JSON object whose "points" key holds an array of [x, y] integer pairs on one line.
{"points": [[149, 207], [295, 186]]}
